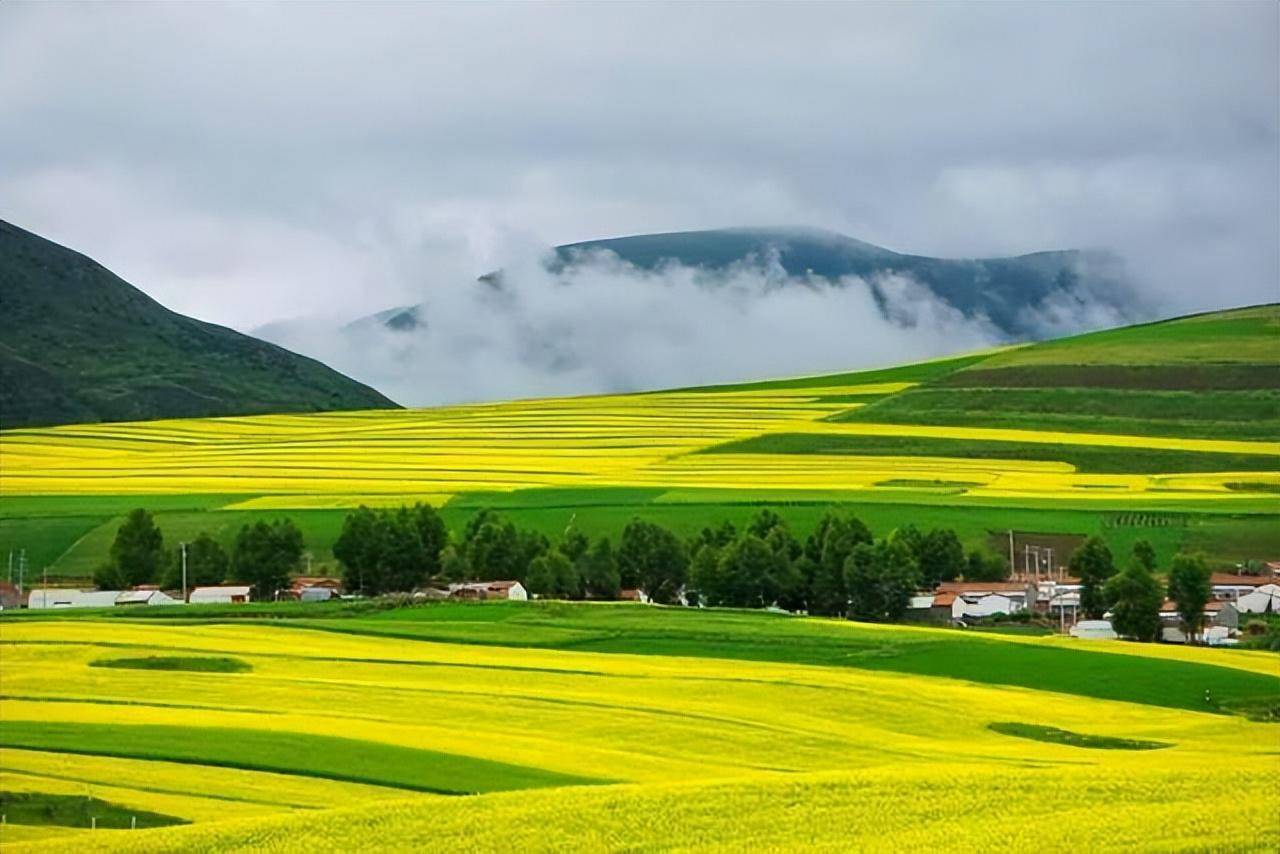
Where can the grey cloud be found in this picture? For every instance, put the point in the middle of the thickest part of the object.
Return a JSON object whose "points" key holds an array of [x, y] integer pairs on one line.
{"points": [[248, 163]]}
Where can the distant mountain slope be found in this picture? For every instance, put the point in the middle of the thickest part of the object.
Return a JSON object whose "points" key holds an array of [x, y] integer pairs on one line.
{"points": [[1213, 375], [1019, 295], [82, 345]]}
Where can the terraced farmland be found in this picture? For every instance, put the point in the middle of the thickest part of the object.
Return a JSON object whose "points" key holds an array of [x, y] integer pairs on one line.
{"points": [[1052, 428], [745, 730]]}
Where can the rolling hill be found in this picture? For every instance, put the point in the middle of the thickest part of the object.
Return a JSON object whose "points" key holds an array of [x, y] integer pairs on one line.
{"points": [[1013, 293], [82, 345], [1164, 431]]}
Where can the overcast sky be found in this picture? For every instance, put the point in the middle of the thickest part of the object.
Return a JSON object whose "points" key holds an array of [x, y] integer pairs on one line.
{"points": [[253, 162]]}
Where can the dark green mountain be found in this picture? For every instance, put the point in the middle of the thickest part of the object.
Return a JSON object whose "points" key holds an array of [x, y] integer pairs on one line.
{"points": [[1021, 296], [79, 344]]}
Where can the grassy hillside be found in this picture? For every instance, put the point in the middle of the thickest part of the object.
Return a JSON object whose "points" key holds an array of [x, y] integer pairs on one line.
{"points": [[925, 443], [734, 728], [83, 345]]}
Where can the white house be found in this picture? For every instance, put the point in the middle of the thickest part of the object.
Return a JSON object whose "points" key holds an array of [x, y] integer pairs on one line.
{"points": [[222, 594], [1265, 598], [1230, 587], [1094, 630], [146, 597], [976, 599], [62, 597], [513, 590]]}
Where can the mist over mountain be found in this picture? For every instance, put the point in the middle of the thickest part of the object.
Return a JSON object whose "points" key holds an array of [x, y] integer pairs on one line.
{"points": [[630, 313]]}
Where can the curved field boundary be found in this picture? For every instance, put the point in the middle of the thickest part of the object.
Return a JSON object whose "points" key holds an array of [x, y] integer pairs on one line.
{"points": [[344, 759]]}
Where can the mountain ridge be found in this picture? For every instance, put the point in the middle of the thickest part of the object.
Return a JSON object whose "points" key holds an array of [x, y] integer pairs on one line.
{"points": [[83, 345], [1013, 293]]}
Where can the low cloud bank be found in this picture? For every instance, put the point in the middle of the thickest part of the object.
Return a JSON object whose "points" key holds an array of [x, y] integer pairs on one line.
{"points": [[602, 325]]}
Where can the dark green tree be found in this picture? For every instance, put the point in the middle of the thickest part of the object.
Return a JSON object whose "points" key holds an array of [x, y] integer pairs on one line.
{"points": [[137, 553], [358, 549], [493, 550], [1093, 565], [574, 544], [552, 576], [653, 559], [265, 555], [939, 556], [1135, 598], [1190, 586], [881, 578], [598, 569], [985, 566], [1145, 555], [207, 563]]}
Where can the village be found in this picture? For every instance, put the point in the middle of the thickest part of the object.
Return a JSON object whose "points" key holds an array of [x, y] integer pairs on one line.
{"points": [[1044, 592]]}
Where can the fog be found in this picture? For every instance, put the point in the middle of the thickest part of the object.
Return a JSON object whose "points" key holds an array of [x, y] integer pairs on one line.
{"points": [[602, 325]]}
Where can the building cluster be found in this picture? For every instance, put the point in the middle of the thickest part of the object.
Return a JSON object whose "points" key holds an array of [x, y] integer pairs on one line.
{"points": [[1058, 600]]}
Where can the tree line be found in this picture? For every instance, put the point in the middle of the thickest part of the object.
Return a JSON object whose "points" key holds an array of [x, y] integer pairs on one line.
{"points": [[841, 569], [1134, 596], [264, 555]]}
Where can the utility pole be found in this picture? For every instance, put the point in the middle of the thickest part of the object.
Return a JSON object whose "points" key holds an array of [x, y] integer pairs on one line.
{"points": [[1013, 564], [22, 570], [183, 546]]}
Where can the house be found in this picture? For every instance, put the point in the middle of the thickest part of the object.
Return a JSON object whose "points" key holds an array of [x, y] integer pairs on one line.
{"points": [[10, 596], [67, 597], [1264, 600], [1217, 615], [222, 594], [1229, 587], [146, 596], [483, 590], [314, 588], [984, 606], [1093, 630], [635, 595], [978, 599]]}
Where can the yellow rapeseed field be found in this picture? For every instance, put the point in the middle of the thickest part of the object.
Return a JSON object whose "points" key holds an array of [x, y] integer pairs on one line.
{"points": [[656, 440], [703, 754]]}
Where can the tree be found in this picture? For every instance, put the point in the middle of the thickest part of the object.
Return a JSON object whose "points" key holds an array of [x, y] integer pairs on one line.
{"points": [[653, 559], [1190, 587], [940, 557], [551, 575], [137, 552], [266, 555], [358, 548], [391, 549], [985, 566], [1092, 564], [1135, 598], [433, 536], [492, 549], [1145, 554], [881, 578], [574, 544], [599, 571], [207, 563]]}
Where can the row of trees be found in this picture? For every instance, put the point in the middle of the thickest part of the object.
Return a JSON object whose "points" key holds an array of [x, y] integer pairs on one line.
{"points": [[264, 555], [840, 569], [1134, 595]]}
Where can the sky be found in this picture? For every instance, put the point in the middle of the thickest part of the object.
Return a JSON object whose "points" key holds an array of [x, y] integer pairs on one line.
{"points": [[308, 164]]}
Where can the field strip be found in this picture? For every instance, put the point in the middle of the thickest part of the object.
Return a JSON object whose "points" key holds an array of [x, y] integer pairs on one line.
{"points": [[993, 434]]}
